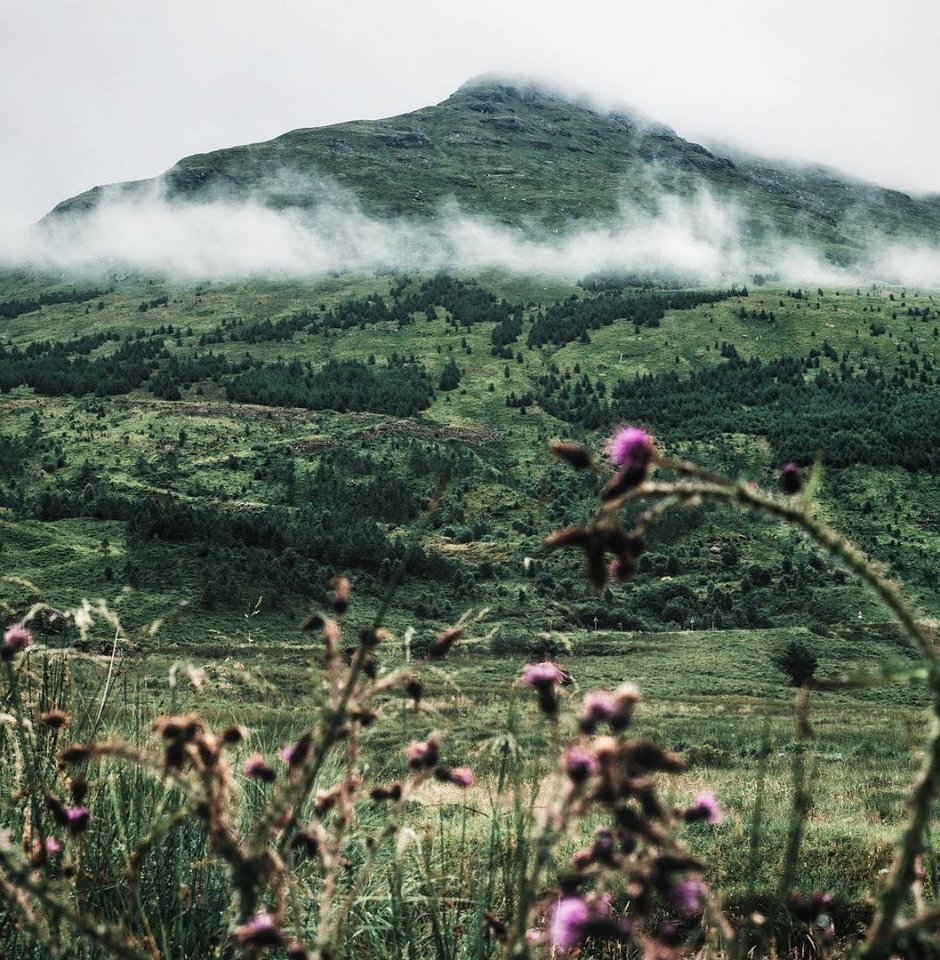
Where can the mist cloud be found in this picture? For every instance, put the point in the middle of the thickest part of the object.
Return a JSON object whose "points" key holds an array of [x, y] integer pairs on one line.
{"points": [[699, 239]]}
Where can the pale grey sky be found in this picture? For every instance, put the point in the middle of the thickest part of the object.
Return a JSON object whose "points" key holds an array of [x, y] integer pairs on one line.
{"points": [[97, 91]]}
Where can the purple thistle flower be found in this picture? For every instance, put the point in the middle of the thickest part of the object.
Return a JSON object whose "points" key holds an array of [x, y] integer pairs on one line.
{"points": [[257, 768], [574, 920], [459, 776], [297, 951], [423, 756], [76, 819], [16, 639], [599, 706], [704, 807], [542, 676], [615, 709], [569, 920], [43, 851], [580, 763], [630, 448], [686, 895], [260, 931]]}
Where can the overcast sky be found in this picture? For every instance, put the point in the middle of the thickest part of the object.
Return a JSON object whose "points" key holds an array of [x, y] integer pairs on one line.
{"points": [[98, 91]]}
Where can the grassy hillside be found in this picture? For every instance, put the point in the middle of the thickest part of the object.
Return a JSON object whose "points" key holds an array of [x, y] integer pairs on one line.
{"points": [[140, 440]]}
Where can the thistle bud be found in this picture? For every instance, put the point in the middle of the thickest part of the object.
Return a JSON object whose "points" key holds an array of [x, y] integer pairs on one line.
{"points": [[572, 453]]}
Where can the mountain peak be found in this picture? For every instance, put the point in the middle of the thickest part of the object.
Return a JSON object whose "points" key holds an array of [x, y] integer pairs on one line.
{"points": [[526, 153]]}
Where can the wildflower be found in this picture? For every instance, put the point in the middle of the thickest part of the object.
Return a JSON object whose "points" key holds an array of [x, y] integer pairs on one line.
{"points": [[423, 756], [42, 851], [16, 639], [260, 931], [574, 920], [544, 677], [294, 754], [790, 480], [630, 448], [569, 918], [256, 768], [615, 709], [580, 763], [704, 807], [686, 895], [76, 819], [459, 776]]}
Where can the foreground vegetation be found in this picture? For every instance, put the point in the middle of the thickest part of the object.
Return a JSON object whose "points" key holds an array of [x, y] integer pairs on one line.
{"points": [[208, 457]]}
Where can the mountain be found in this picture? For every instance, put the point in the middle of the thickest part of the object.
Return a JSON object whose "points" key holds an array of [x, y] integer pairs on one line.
{"points": [[524, 155]]}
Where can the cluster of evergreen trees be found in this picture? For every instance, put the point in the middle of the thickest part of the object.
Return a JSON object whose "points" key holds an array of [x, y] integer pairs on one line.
{"points": [[466, 302], [572, 320], [13, 308], [401, 388], [867, 418]]}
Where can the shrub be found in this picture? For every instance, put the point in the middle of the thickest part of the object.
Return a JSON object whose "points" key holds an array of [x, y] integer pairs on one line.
{"points": [[797, 661]]}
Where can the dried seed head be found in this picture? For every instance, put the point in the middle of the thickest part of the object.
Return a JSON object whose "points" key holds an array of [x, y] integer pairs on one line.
{"points": [[568, 537], [341, 590], [572, 453], [54, 719], [392, 792], [415, 689], [78, 787], [644, 756], [498, 930], [790, 480], [325, 800], [257, 768], [76, 753], [307, 842], [443, 642], [314, 622], [231, 736]]}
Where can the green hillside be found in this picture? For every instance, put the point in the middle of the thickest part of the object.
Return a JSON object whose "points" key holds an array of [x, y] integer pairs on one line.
{"points": [[532, 158], [253, 438]]}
